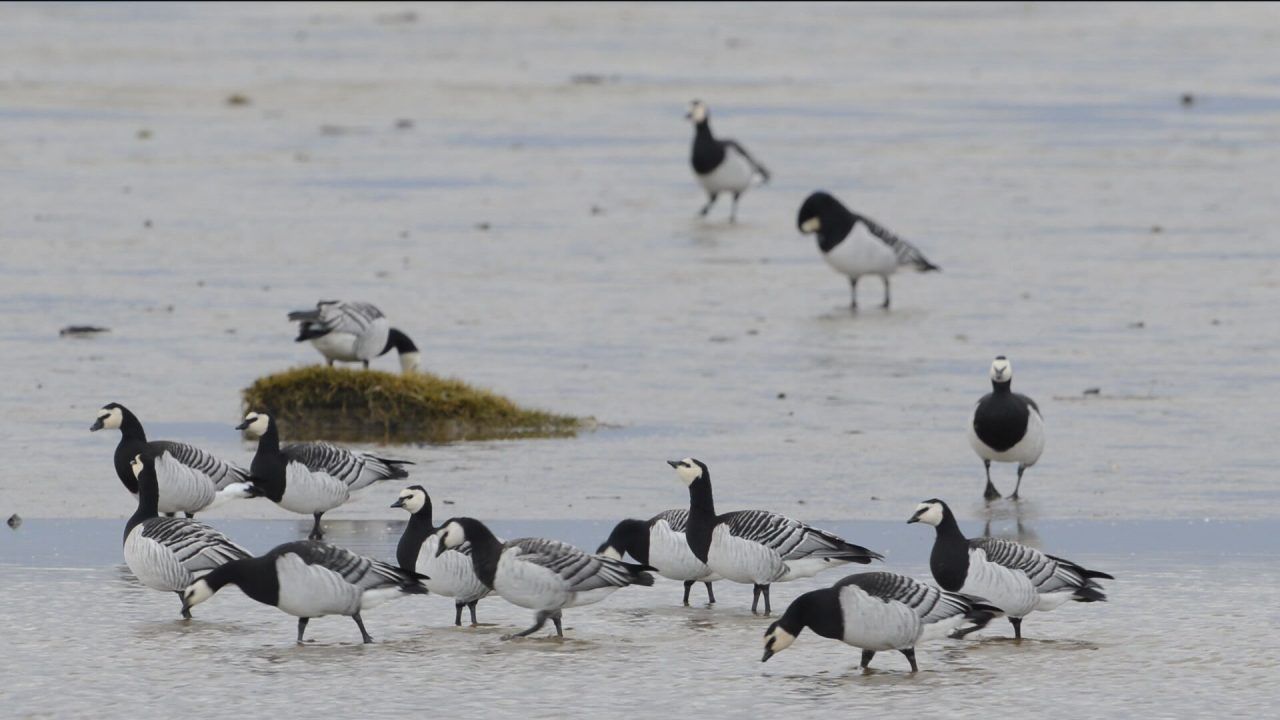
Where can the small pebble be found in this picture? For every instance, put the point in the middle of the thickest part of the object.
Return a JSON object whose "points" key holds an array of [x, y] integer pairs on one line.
{"points": [[237, 100], [15, 521], [404, 124], [1156, 229], [1188, 99], [82, 330], [482, 226], [782, 396], [1137, 325], [1093, 391], [144, 134]]}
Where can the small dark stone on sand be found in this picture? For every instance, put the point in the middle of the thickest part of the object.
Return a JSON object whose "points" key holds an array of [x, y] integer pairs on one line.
{"points": [[74, 330], [404, 124], [1137, 325], [1215, 321], [146, 223], [597, 210], [482, 226], [588, 79], [15, 521], [237, 100], [144, 134], [800, 502], [448, 502], [1093, 391], [1156, 229], [782, 396], [1188, 99]]}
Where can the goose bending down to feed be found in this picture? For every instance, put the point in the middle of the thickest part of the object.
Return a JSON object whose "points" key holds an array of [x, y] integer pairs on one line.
{"points": [[543, 575], [757, 546], [451, 573], [311, 478], [1006, 427], [720, 165], [875, 611], [190, 479], [310, 579], [170, 553], [660, 543], [1013, 577], [854, 245], [353, 332]]}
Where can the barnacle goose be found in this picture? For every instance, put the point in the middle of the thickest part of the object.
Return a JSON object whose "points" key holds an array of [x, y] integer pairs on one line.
{"points": [[169, 553], [757, 546], [875, 611], [310, 579], [191, 480], [854, 245], [1013, 577], [720, 165], [539, 574], [452, 574], [353, 332], [313, 477], [1006, 427], [659, 543]]}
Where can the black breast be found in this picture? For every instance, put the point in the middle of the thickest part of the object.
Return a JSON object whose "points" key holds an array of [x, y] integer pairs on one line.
{"points": [[1000, 420], [708, 152]]}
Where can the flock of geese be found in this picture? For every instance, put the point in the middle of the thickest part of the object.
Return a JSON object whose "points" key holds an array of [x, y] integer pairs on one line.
{"points": [[977, 579]]}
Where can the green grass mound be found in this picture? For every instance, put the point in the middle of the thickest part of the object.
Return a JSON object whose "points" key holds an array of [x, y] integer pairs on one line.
{"points": [[355, 405]]}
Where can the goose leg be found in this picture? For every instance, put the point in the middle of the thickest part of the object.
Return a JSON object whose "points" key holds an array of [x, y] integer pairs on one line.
{"points": [[866, 657], [1021, 469], [330, 362], [190, 515], [688, 585], [853, 287], [755, 599], [186, 611], [911, 658], [707, 208], [559, 628], [302, 626], [457, 620], [767, 609], [1017, 627], [360, 624], [711, 594], [472, 607], [991, 492], [366, 364], [539, 620], [316, 533], [733, 210], [885, 304]]}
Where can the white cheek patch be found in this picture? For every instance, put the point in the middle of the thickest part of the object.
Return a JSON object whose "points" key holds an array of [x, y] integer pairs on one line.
{"points": [[812, 225], [932, 514], [1001, 371], [699, 112], [781, 640], [112, 419], [689, 472], [409, 363]]}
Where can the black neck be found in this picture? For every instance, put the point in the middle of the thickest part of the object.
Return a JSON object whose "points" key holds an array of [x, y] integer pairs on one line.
{"points": [[486, 548], [148, 498], [702, 516], [130, 426], [268, 467], [949, 560], [399, 342], [708, 153], [630, 537], [256, 577], [1002, 388], [836, 224], [416, 532], [818, 610]]}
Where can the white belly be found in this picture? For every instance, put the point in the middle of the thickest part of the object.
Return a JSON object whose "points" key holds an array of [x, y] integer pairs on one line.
{"points": [[154, 564], [313, 591], [873, 624], [452, 574], [1025, 452], [1009, 590], [743, 561], [337, 346], [670, 555], [808, 567], [732, 175], [861, 253]]}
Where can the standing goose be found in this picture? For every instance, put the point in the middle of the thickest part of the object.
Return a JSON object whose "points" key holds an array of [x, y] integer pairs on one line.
{"points": [[190, 479], [1006, 427], [451, 573], [313, 477], [854, 245], [720, 165], [875, 611], [1013, 577], [757, 546], [660, 543], [353, 332], [542, 575], [310, 579], [170, 553]]}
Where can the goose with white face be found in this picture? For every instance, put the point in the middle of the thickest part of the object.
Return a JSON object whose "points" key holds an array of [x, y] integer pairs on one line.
{"points": [[411, 499], [775, 641], [451, 536], [196, 593], [929, 513], [1001, 370], [688, 469], [255, 424], [697, 111], [109, 418]]}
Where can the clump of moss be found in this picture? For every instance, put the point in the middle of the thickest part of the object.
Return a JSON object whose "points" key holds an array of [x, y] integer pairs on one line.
{"points": [[355, 405]]}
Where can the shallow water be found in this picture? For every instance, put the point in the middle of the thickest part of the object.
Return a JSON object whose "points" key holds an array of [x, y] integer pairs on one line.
{"points": [[1088, 225]]}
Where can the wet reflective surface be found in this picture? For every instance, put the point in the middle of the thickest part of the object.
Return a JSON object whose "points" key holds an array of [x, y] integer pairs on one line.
{"points": [[532, 226]]}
